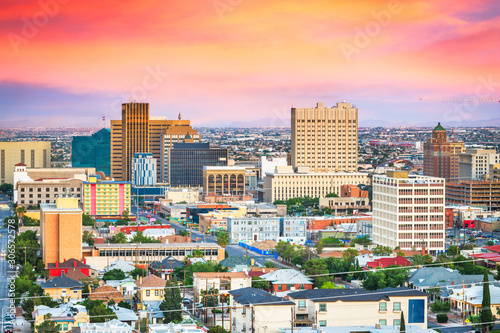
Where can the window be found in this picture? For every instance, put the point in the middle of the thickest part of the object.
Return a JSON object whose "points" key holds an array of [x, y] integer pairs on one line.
{"points": [[63, 327], [382, 306], [280, 287], [397, 306], [156, 292], [383, 322], [322, 323], [302, 304], [147, 292], [396, 322], [322, 307]]}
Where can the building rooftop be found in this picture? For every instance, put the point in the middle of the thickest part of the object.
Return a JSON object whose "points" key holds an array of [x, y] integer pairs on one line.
{"points": [[287, 276], [232, 261], [221, 275], [354, 295], [254, 296], [151, 281], [106, 293], [61, 282], [156, 245], [439, 127], [167, 263]]}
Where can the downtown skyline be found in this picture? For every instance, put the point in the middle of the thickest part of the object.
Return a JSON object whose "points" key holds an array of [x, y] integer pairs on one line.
{"points": [[226, 63]]}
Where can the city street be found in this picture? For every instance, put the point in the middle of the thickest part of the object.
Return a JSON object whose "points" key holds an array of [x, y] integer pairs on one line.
{"points": [[232, 249]]}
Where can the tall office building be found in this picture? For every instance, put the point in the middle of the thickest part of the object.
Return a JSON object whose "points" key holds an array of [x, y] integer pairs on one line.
{"points": [[188, 159], [144, 170], [106, 199], [408, 211], [325, 139], [137, 132], [34, 154], [92, 151], [441, 156], [60, 230], [475, 163]]}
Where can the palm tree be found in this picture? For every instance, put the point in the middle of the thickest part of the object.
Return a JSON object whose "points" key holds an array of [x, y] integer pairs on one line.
{"points": [[20, 211], [222, 238], [119, 238]]}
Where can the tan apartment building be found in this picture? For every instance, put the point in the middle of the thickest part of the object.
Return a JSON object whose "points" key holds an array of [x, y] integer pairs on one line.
{"points": [[223, 180], [408, 211], [35, 154], [475, 163], [474, 193], [222, 281], [137, 132], [325, 138], [61, 230], [284, 183]]}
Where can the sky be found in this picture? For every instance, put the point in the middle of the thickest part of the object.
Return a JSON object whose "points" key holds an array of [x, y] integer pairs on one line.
{"points": [[68, 63]]}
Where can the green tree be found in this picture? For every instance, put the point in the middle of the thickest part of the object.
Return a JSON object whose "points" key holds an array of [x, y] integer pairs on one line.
{"points": [[125, 305], [140, 238], [453, 250], [172, 302], [440, 307], [48, 325], [119, 238], [7, 189], [380, 279], [114, 274], [317, 269], [100, 313], [331, 195], [380, 250], [217, 329], [486, 315], [259, 283], [319, 247], [88, 237], [363, 240], [88, 221], [269, 264], [137, 272], [26, 248], [350, 254], [402, 325], [222, 238], [20, 211], [184, 233], [331, 285], [210, 297], [419, 260]]}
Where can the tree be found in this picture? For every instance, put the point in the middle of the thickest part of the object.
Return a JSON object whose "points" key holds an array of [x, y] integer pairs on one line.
{"points": [[88, 237], [114, 274], [20, 211], [48, 325], [222, 238], [184, 233], [331, 195], [125, 305], [172, 302], [7, 189], [402, 325], [486, 315], [330, 285], [363, 240], [259, 283], [269, 264], [380, 250], [380, 279], [319, 248], [317, 269], [210, 297], [440, 307], [140, 238], [119, 238], [138, 272], [217, 329], [350, 254], [100, 313], [420, 260], [88, 221], [26, 248]]}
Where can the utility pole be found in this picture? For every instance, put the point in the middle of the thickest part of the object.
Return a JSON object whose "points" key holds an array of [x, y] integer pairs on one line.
{"points": [[463, 302], [291, 309], [230, 319], [25, 255], [184, 283], [147, 322], [253, 320]]}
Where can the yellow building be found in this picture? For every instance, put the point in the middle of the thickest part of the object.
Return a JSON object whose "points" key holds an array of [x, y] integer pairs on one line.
{"points": [[217, 220], [106, 198], [223, 180], [61, 230], [64, 316], [34, 154], [149, 289], [62, 286], [325, 139]]}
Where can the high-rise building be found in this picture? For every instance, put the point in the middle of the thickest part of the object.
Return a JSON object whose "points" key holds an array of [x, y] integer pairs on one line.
{"points": [[92, 151], [103, 199], [137, 132], [441, 155], [144, 169], [474, 193], [61, 230], [475, 163], [325, 139], [408, 211], [34, 154], [188, 159], [173, 135]]}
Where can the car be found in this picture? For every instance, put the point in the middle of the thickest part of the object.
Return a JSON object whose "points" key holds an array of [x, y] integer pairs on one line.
{"points": [[487, 236], [496, 230], [8, 328]]}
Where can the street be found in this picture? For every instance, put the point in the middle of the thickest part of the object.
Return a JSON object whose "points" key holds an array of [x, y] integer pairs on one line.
{"points": [[232, 249]]}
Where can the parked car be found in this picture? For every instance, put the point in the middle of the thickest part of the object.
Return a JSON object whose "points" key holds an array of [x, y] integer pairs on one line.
{"points": [[496, 230], [487, 236]]}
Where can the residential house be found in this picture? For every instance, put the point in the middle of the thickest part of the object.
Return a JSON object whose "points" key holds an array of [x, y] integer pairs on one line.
{"points": [[233, 261], [76, 275], [175, 328], [374, 328], [165, 267], [386, 262], [58, 269], [106, 293], [149, 288], [66, 316], [120, 264], [112, 326], [222, 281], [472, 297], [256, 310], [125, 315], [259, 271], [287, 280], [342, 307], [62, 286]]}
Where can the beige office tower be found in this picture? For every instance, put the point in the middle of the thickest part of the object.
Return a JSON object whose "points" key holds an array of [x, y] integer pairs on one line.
{"points": [[325, 139], [33, 154]]}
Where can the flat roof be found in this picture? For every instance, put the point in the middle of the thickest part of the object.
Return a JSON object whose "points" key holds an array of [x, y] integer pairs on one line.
{"points": [[155, 245], [52, 207], [236, 168]]}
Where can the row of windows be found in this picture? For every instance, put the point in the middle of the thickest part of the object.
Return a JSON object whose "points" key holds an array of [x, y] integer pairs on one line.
{"points": [[155, 253]]}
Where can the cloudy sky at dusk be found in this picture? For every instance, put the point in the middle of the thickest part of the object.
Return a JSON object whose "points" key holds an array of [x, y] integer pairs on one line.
{"points": [[224, 62]]}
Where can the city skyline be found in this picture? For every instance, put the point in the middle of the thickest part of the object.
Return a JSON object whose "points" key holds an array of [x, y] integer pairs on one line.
{"points": [[218, 62]]}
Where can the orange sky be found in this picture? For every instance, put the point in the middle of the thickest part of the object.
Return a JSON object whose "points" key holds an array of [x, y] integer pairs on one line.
{"points": [[224, 61]]}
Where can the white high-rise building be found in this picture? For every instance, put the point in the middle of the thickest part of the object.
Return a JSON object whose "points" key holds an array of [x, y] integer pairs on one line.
{"points": [[475, 163], [408, 211], [144, 169]]}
